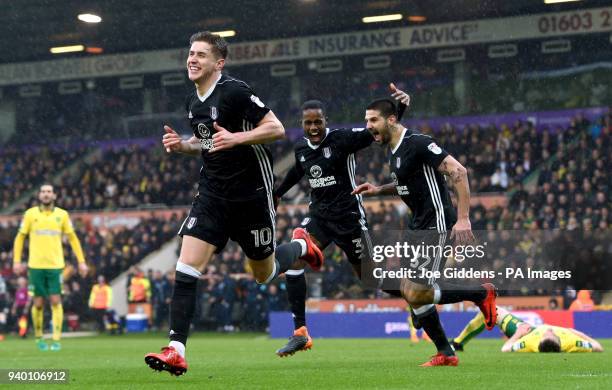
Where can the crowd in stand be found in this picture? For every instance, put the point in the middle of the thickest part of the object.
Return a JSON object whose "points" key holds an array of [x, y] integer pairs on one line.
{"points": [[126, 176], [20, 170], [137, 176]]}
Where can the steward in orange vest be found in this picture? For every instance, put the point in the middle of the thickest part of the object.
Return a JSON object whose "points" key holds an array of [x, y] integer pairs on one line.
{"points": [[100, 301]]}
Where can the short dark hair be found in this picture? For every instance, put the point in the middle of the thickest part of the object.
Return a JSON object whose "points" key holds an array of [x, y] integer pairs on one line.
{"points": [[47, 184], [314, 105], [549, 345], [385, 106], [218, 44]]}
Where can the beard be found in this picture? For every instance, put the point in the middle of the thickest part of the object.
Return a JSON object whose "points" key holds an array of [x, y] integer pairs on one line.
{"points": [[385, 135]]}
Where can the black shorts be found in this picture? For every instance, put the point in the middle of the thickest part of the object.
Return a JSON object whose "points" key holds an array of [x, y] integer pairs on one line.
{"points": [[433, 258], [386, 270], [249, 223], [347, 234]]}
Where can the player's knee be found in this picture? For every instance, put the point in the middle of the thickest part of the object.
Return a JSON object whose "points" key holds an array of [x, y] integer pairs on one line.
{"points": [[261, 277], [191, 261], [415, 296], [415, 293], [263, 273], [298, 265]]}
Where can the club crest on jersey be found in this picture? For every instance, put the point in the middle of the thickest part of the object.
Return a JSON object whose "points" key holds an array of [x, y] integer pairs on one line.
{"points": [[435, 149], [316, 171], [191, 222], [213, 113], [327, 152], [203, 130], [398, 162]]}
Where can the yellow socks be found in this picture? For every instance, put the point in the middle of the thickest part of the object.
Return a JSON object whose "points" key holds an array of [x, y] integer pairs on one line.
{"points": [[57, 316], [473, 328], [37, 320]]}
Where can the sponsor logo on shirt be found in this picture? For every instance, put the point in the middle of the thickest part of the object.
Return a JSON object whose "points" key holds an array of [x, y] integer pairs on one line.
{"points": [[46, 232], [203, 130], [401, 190], [317, 181], [206, 143], [316, 171]]}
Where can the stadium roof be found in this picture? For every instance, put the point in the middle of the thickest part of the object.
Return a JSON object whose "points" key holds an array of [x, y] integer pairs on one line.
{"points": [[31, 27]]}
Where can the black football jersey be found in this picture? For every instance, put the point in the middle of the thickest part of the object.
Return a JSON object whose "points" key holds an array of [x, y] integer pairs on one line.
{"points": [[244, 171], [330, 170], [414, 165]]}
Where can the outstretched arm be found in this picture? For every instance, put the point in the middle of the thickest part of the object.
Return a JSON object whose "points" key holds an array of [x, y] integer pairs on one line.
{"points": [[368, 189], [596, 346], [292, 178]]}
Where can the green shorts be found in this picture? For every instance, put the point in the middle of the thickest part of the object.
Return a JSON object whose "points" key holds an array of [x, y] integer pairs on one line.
{"points": [[45, 282]]}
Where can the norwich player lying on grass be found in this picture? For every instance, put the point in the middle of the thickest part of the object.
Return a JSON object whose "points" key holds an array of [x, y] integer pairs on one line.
{"points": [[523, 337]]}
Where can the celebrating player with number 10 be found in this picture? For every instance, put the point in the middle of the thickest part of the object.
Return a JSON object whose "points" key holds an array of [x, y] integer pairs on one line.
{"points": [[230, 125]]}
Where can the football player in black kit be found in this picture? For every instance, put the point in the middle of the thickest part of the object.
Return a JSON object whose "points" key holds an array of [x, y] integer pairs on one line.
{"points": [[327, 158], [418, 166], [230, 125]]}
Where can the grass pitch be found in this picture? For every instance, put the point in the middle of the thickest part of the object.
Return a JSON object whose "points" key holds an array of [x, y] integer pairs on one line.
{"points": [[248, 361]]}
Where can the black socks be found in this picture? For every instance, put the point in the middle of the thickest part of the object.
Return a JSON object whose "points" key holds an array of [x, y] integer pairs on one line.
{"points": [[183, 306], [452, 293], [430, 321], [296, 291]]}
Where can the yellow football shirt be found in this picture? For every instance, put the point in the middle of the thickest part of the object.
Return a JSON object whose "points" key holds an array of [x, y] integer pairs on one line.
{"points": [[570, 342], [45, 229]]}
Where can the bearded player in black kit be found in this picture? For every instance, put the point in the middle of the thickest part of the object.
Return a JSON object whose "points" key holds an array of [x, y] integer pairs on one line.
{"points": [[327, 158], [230, 125], [418, 166]]}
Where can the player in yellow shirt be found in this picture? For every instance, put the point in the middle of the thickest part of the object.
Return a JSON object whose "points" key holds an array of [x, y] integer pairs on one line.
{"points": [[44, 225], [524, 337]]}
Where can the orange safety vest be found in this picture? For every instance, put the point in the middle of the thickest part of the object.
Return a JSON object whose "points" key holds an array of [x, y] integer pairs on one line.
{"points": [[100, 297], [583, 302], [139, 289]]}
